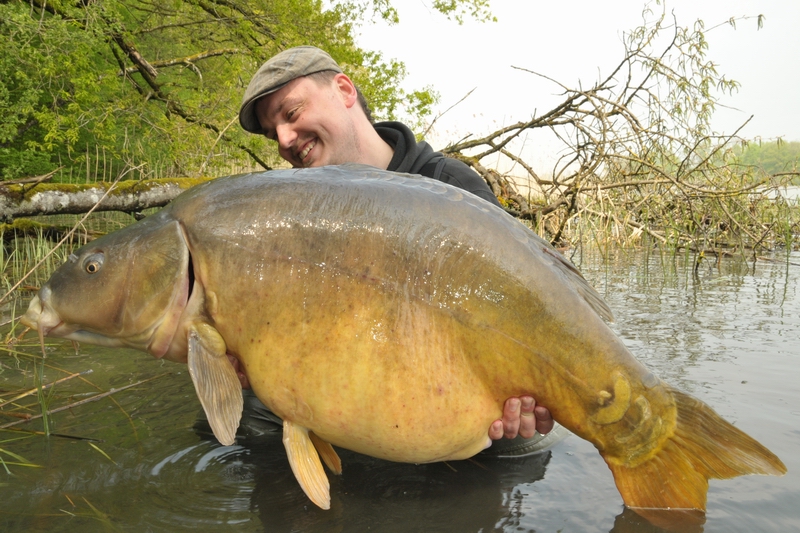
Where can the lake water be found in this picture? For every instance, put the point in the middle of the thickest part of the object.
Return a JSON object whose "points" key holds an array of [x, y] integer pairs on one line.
{"points": [[727, 333]]}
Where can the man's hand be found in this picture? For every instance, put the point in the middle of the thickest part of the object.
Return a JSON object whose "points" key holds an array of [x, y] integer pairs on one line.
{"points": [[521, 416], [239, 372]]}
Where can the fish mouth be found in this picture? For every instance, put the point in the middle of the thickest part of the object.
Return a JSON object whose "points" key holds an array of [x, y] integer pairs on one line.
{"points": [[31, 316], [42, 317]]}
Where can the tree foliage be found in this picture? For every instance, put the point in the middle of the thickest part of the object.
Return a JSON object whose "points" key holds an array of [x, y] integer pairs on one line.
{"points": [[156, 85]]}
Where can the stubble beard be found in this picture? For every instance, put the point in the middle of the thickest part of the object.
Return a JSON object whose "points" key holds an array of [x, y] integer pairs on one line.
{"points": [[348, 149]]}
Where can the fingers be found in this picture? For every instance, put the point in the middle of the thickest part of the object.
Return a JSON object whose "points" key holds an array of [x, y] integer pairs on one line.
{"points": [[511, 417], [544, 420], [521, 416], [496, 430], [527, 420], [239, 371], [509, 426]]}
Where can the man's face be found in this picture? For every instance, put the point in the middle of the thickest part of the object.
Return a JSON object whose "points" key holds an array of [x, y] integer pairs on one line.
{"points": [[311, 122]]}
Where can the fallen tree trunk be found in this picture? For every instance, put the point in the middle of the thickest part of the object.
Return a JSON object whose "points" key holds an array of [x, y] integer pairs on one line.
{"points": [[23, 227], [21, 200]]}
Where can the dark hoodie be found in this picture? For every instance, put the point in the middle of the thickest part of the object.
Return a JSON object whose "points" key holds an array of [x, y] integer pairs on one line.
{"points": [[414, 157]]}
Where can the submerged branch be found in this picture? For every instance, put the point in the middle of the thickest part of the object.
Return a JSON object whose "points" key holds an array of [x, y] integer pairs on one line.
{"points": [[632, 224], [84, 401], [44, 387]]}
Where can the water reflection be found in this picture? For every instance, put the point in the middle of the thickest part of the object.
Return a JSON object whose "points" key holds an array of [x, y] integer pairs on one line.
{"points": [[629, 521], [381, 495], [726, 333], [482, 494]]}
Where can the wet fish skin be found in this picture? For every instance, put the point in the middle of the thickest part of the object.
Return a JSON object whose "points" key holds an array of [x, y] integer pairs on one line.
{"points": [[390, 315]]}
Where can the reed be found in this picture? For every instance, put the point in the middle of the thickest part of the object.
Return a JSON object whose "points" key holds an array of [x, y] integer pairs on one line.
{"points": [[42, 398], [33, 395], [95, 164], [18, 460]]}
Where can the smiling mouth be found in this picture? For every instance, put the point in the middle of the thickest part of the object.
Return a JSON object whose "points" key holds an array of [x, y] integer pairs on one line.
{"points": [[305, 151]]}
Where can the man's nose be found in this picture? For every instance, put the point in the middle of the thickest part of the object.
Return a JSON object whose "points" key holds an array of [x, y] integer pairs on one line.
{"points": [[286, 136]]}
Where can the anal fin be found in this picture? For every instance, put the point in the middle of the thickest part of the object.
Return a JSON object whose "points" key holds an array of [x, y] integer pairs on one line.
{"points": [[305, 463]]}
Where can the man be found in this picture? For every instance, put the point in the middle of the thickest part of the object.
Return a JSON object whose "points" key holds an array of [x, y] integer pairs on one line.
{"points": [[302, 100]]}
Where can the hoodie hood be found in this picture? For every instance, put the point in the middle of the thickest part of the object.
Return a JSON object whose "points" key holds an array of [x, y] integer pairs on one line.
{"points": [[409, 155]]}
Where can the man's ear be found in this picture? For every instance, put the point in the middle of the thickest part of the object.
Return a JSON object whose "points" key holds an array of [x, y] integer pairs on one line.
{"points": [[347, 89]]}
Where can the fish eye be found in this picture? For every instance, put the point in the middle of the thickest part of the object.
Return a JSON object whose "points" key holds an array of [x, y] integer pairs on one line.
{"points": [[93, 263]]}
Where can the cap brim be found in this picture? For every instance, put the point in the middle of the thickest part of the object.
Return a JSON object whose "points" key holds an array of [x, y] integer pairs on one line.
{"points": [[247, 113]]}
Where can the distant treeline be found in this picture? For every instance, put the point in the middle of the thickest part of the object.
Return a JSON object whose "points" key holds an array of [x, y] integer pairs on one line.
{"points": [[773, 157]]}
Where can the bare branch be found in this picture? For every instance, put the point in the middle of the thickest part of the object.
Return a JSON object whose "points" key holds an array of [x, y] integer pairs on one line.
{"points": [[187, 60]]}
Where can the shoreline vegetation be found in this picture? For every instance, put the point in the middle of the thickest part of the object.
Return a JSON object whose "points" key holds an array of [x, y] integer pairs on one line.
{"points": [[116, 107]]}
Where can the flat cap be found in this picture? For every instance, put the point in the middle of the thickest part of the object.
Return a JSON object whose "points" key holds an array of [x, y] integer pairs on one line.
{"points": [[277, 72]]}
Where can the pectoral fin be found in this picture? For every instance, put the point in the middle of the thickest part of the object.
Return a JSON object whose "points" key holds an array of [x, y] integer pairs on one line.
{"points": [[215, 381], [305, 464]]}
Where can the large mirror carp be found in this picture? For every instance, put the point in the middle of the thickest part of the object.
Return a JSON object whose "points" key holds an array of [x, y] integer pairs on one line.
{"points": [[390, 315]]}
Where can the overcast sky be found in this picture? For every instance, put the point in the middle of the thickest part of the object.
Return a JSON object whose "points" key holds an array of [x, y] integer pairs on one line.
{"points": [[572, 40]]}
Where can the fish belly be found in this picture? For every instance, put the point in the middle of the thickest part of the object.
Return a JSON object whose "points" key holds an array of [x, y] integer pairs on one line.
{"points": [[396, 386], [406, 368]]}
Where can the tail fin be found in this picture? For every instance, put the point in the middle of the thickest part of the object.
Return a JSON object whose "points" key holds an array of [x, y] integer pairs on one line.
{"points": [[704, 446]]}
